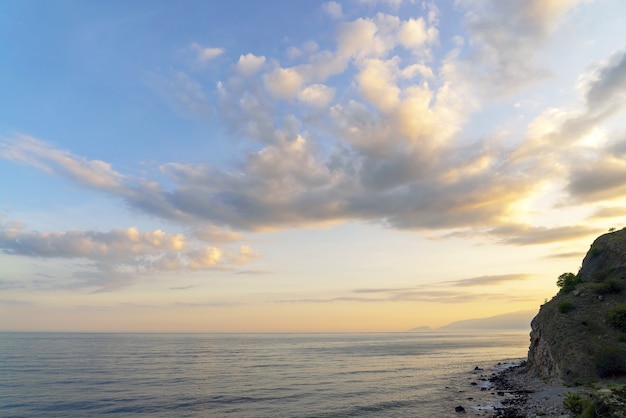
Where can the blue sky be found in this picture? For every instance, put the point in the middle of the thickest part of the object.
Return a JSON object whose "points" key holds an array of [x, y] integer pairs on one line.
{"points": [[302, 166]]}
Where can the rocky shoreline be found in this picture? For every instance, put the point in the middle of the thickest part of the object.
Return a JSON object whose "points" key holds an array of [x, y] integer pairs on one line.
{"points": [[527, 396], [514, 392]]}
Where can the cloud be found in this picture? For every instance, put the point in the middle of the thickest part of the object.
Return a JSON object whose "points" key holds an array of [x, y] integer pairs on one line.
{"points": [[609, 212], [11, 284], [367, 38], [607, 84], [453, 291], [490, 280], [376, 84], [374, 131], [331, 300], [309, 48], [283, 83], [252, 272], [425, 296], [459, 297], [317, 95], [530, 235], [574, 145], [576, 140], [417, 69], [604, 180], [506, 36], [183, 94], [255, 112], [291, 183], [391, 3], [89, 173], [211, 233], [333, 9], [415, 33], [205, 54], [116, 244], [15, 302], [396, 164], [358, 38], [573, 254], [118, 256], [250, 64], [207, 304]]}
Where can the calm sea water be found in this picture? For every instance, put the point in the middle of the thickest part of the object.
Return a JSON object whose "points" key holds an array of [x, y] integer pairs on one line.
{"points": [[243, 375]]}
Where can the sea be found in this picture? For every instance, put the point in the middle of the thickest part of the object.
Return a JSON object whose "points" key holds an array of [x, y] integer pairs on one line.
{"points": [[248, 375]]}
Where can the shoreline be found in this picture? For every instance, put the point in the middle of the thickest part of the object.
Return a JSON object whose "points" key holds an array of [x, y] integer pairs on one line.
{"points": [[509, 390], [527, 396]]}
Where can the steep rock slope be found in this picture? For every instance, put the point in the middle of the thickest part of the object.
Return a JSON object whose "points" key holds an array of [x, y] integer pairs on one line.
{"points": [[580, 335]]}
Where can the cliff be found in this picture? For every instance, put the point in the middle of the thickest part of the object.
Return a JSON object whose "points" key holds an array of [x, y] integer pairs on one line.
{"points": [[580, 335]]}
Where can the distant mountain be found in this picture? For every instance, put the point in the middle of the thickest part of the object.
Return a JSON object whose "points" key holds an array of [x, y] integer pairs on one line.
{"points": [[513, 321], [421, 329], [510, 321]]}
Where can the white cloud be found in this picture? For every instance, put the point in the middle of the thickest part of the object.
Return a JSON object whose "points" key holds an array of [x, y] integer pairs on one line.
{"points": [[529, 235], [506, 36], [317, 95], [333, 9], [205, 54], [124, 253], [412, 70], [90, 173], [204, 258], [250, 64], [244, 255], [362, 42], [377, 84], [283, 83], [358, 39], [308, 48], [392, 3], [415, 118], [294, 52], [212, 233], [414, 33]]}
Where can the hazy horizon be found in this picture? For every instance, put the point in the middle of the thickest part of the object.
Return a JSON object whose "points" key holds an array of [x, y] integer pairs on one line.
{"points": [[309, 166], [512, 321]]}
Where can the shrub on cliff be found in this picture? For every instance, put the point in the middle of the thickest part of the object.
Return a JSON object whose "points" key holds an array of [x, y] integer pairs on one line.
{"points": [[610, 361], [617, 317], [609, 286], [567, 282], [566, 306]]}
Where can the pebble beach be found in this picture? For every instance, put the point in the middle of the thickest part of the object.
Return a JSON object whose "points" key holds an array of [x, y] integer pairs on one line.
{"points": [[511, 392]]}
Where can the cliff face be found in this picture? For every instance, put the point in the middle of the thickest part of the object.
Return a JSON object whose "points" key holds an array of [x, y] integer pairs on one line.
{"points": [[576, 337]]}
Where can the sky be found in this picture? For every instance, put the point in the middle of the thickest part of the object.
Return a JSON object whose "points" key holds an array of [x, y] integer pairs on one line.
{"points": [[302, 166]]}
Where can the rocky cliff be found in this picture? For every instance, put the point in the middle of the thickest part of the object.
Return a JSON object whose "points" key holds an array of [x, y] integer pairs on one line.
{"points": [[580, 335]]}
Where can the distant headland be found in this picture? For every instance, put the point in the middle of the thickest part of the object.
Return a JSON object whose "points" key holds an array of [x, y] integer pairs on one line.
{"points": [[513, 321]]}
